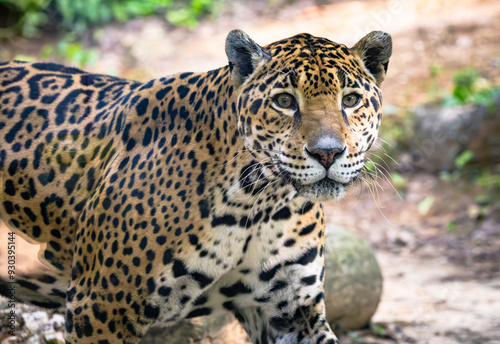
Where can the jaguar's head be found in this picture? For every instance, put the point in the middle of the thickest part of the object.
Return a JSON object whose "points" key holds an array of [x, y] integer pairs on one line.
{"points": [[309, 109]]}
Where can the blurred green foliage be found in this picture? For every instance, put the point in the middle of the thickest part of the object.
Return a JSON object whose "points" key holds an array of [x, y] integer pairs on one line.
{"points": [[399, 181], [435, 92], [469, 87], [425, 205], [28, 15], [451, 226], [78, 16], [74, 17], [71, 52], [189, 15], [463, 158]]}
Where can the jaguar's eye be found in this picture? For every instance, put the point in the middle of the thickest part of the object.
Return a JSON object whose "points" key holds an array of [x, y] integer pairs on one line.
{"points": [[285, 100], [351, 100]]}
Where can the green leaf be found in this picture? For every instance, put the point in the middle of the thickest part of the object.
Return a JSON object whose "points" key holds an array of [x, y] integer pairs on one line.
{"points": [[435, 69], [451, 226], [370, 166], [398, 180], [425, 205], [47, 51], [379, 330], [27, 58], [463, 159], [483, 198], [118, 12], [450, 177]]}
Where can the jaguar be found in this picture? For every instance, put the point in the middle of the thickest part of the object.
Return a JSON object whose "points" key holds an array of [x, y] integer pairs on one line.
{"points": [[190, 194]]}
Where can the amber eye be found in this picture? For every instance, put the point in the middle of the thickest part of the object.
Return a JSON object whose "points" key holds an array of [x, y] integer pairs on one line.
{"points": [[285, 100], [351, 100]]}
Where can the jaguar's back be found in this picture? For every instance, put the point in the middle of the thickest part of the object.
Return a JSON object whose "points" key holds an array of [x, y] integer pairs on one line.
{"points": [[55, 125]]}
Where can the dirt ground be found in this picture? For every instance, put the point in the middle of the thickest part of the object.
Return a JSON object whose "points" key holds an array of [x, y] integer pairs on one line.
{"points": [[440, 285]]}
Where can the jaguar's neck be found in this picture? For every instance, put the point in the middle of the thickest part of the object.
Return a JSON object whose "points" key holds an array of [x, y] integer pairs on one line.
{"points": [[195, 116], [248, 185]]}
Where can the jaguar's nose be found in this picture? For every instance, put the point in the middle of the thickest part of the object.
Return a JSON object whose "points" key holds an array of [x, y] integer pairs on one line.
{"points": [[326, 151]]}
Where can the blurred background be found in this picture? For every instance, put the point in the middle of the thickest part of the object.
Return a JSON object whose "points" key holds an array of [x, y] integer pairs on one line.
{"points": [[429, 205]]}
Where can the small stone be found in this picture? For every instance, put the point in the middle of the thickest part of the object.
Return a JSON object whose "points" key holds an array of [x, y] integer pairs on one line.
{"points": [[53, 337], [35, 321], [10, 340], [34, 339], [57, 321]]}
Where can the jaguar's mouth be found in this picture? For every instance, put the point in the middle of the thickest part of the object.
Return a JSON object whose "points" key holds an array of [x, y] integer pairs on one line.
{"points": [[324, 190]]}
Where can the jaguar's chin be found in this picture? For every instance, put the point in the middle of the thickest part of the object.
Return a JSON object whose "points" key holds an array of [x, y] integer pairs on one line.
{"points": [[324, 190]]}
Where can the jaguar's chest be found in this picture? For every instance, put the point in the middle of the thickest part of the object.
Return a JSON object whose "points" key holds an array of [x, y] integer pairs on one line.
{"points": [[239, 241], [233, 255]]}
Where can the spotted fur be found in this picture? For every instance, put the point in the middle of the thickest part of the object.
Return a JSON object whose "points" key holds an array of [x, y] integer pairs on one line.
{"points": [[189, 194]]}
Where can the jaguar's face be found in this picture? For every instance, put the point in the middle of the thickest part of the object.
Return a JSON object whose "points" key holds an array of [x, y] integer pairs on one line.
{"points": [[310, 112]]}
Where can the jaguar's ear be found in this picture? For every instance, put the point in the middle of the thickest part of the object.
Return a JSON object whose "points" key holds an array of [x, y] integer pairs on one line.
{"points": [[375, 49], [243, 54]]}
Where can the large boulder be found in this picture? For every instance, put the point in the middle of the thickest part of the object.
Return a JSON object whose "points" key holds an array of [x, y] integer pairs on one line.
{"points": [[353, 281]]}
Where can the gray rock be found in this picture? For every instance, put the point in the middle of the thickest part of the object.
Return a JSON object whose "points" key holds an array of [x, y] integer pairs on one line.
{"points": [[441, 134]]}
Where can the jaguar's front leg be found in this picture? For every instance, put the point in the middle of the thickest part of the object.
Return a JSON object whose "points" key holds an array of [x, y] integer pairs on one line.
{"points": [[255, 323], [291, 306], [307, 325], [294, 296]]}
